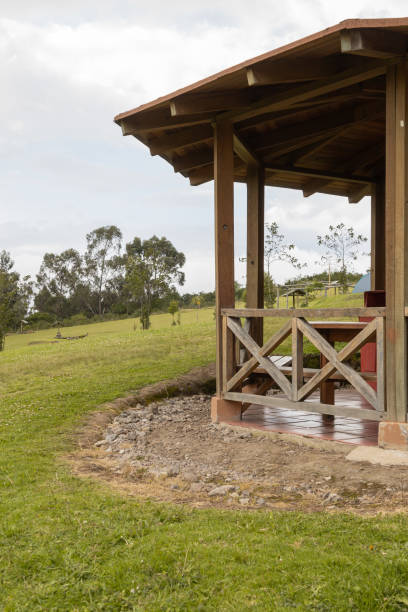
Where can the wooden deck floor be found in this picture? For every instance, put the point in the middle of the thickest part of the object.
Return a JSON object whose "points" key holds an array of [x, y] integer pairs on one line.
{"points": [[339, 429]]}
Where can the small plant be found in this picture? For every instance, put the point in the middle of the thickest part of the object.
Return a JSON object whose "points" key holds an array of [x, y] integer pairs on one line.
{"points": [[173, 308], [144, 318]]}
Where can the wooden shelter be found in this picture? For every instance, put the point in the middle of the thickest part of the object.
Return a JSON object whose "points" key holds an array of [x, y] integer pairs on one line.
{"points": [[293, 293], [326, 114]]}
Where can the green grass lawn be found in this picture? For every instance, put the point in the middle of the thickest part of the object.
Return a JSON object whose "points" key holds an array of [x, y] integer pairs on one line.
{"points": [[72, 544]]}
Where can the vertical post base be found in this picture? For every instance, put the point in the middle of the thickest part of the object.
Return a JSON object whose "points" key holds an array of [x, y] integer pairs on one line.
{"points": [[223, 411], [393, 435]]}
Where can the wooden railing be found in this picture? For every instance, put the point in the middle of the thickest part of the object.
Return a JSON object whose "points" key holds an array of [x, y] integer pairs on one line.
{"points": [[291, 381]]}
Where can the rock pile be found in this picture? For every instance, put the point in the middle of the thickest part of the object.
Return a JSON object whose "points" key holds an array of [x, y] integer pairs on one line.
{"points": [[172, 445]]}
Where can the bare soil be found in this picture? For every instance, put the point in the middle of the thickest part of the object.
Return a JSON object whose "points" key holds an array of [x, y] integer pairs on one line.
{"points": [[168, 450]]}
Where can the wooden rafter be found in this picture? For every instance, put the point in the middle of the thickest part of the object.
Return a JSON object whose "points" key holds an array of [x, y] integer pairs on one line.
{"points": [[293, 145], [201, 175], [319, 125], [309, 173], [315, 185], [244, 151], [195, 159], [351, 94], [359, 193], [319, 146], [292, 157], [204, 174], [291, 71], [306, 92], [140, 124], [182, 138], [373, 43], [204, 157], [191, 104], [365, 158]]}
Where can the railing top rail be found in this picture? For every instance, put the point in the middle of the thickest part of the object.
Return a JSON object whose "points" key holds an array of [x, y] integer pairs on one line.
{"points": [[304, 312]]}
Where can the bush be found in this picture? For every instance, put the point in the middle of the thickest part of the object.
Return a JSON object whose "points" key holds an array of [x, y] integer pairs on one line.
{"points": [[40, 320]]}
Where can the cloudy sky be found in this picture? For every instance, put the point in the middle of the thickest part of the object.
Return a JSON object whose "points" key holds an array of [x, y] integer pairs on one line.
{"points": [[66, 68]]}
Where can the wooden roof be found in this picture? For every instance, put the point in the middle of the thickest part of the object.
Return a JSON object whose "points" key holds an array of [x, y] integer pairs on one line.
{"points": [[311, 112]]}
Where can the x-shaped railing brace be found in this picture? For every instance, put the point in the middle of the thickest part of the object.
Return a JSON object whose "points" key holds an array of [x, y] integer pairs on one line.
{"points": [[335, 359]]}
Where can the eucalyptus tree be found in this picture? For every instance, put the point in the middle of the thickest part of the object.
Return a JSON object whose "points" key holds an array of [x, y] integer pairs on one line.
{"points": [[153, 269], [15, 295], [102, 260], [58, 280]]}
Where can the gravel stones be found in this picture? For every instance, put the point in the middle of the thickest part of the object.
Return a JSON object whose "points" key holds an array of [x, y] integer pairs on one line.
{"points": [[171, 446], [222, 490]]}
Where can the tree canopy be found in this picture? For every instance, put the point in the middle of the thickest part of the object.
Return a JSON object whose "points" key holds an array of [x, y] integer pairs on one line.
{"points": [[15, 295], [153, 269]]}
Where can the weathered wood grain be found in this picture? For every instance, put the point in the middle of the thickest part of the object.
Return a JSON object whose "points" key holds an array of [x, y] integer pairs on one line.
{"points": [[224, 240], [315, 313], [280, 402]]}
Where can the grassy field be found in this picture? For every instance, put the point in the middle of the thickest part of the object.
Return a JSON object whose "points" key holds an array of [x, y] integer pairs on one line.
{"points": [[72, 544]]}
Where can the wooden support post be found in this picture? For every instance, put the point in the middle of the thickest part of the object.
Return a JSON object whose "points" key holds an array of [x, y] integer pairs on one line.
{"points": [[224, 245], [255, 247], [396, 242], [378, 237], [297, 359]]}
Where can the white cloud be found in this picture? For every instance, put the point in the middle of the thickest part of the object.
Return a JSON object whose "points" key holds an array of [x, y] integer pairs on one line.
{"points": [[66, 70]]}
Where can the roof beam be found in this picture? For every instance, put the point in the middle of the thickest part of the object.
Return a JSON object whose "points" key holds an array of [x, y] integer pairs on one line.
{"points": [[244, 152], [195, 159], [359, 193], [315, 185], [373, 43], [286, 99], [365, 158], [320, 125], [295, 144], [291, 71], [190, 104], [308, 173], [137, 124], [201, 175], [175, 140], [321, 144], [198, 176]]}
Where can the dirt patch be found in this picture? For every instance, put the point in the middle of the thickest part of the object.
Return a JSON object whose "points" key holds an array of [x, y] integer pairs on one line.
{"points": [[169, 450]]}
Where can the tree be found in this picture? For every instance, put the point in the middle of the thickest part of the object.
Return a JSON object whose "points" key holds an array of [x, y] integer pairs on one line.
{"points": [[102, 259], [269, 291], [15, 294], [277, 249], [58, 279], [173, 308], [342, 244], [153, 267]]}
